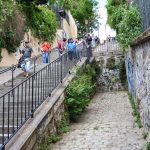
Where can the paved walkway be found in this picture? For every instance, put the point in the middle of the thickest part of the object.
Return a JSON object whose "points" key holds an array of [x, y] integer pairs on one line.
{"points": [[106, 125]]}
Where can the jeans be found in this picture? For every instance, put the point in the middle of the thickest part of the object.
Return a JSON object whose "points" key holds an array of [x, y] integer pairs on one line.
{"points": [[25, 65], [71, 55], [78, 54], [45, 57]]}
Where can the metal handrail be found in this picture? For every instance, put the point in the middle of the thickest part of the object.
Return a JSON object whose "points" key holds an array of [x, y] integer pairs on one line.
{"points": [[15, 65], [19, 104]]}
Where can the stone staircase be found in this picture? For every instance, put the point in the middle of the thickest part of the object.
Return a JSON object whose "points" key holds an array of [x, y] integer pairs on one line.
{"points": [[18, 105]]}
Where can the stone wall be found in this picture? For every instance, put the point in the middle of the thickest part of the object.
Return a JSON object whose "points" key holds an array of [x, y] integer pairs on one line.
{"points": [[138, 72], [109, 78]]}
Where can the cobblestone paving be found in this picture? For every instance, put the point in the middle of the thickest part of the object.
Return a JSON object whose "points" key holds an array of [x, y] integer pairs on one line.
{"points": [[107, 124]]}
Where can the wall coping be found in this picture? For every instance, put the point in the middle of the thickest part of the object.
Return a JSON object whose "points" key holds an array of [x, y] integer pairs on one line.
{"points": [[145, 36], [26, 131]]}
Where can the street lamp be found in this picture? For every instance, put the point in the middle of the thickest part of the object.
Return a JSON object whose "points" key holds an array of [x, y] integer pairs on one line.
{"points": [[62, 14]]}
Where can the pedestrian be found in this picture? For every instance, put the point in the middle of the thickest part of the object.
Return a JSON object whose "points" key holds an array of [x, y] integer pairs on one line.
{"points": [[93, 41], [71, 49], [61, 46], [89, 46], [79, 48], [26, 55], [45, 51], [89, 40]]}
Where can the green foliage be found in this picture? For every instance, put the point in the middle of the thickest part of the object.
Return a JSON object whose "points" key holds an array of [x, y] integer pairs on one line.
{"points": [[148, 146], [62, 127], [79, 92], [122, 72], [136, 112], [42, 21], [145, 134], [85, 10], [78, 95], [110, 63], [54, 138], [125, 20], [6, 10], [9, 36], [43, 147]]}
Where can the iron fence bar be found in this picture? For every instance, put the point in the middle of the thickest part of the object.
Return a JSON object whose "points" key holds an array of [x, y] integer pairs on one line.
{"points": [[17, 105], [61, 69], [25, 99], [32, 109], [12, 69], [41, 84], [8, 114], [21, 101], [13, 107], [3, 121]]}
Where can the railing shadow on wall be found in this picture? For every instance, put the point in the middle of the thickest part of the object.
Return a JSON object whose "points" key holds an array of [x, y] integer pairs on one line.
{"points": [[20, 103]]}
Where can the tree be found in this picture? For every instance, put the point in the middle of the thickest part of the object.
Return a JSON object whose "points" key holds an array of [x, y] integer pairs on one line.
{"points": [[85, 10]]}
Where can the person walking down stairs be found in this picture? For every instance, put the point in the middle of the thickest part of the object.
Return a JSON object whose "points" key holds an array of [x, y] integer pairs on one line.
{"points": [[61, 46], [45, 51], [71, 49], [26, 55]]}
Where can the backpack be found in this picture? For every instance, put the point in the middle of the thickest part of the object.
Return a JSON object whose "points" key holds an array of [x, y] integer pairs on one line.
{"points": [[20, 62]]}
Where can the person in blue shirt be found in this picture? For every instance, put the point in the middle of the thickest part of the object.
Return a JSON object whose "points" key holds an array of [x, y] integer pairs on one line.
{"points": [[71, 48]]}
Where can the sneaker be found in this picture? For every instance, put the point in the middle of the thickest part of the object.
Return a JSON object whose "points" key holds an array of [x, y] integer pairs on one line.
{"points": [[27, 74]]}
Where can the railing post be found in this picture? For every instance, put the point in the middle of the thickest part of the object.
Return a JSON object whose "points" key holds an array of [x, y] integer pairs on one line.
{"points": [[12, 73], [34, 63], [61, 69], [32, 109]]}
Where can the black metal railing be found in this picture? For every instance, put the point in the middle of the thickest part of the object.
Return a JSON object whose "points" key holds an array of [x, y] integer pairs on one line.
{"points": [[20, 103], [110, 46], [34, 62]]}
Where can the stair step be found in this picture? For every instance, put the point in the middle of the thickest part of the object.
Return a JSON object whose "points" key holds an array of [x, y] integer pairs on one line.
{"points": [[6, 129]]}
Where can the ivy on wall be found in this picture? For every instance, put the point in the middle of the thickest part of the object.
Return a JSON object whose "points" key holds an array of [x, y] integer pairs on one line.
{"points": [[42, 21], [125, 19], [18, 16]]}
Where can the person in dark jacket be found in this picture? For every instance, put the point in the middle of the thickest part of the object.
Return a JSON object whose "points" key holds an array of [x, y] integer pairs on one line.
{"points": [[26, 56], [89, 46]]}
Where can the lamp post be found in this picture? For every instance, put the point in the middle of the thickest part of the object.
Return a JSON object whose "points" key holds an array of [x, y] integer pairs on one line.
{"points": [[62, 14]]}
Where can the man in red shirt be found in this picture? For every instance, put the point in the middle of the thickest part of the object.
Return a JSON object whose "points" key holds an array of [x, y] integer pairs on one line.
{"points": [[45, 51]]}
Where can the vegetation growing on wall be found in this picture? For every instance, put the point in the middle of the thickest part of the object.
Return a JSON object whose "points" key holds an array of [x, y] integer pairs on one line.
{"points": [[62, 127], [122, 72], [42, 21], [125, 19], [79, 92], [81, 10], [17, 17], [11, 30], [136, 113], [110, 63]]}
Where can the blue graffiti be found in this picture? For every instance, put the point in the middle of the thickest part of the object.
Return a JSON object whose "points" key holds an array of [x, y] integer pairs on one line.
{"points": [[130, 75]]}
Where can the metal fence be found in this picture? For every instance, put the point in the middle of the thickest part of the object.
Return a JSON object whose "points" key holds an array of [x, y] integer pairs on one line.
{"points": [[35, 61], [108, 47], [20, 103], [144, 8]]}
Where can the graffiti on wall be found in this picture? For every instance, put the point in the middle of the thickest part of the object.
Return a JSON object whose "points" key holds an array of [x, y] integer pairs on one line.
{"points": [[138, 73]]}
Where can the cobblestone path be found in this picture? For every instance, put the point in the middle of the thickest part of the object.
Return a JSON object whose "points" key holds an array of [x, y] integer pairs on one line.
{"points": [[107, 124]]}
